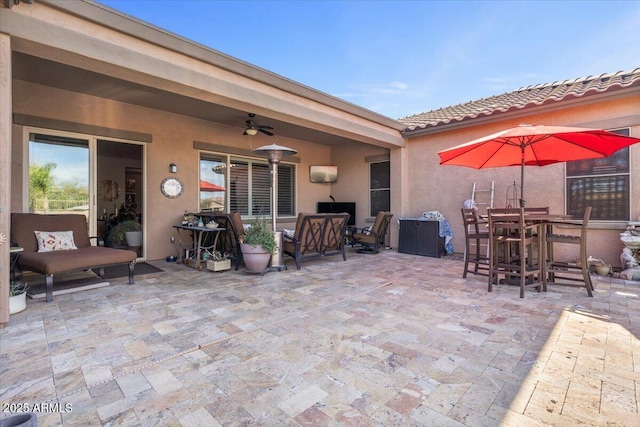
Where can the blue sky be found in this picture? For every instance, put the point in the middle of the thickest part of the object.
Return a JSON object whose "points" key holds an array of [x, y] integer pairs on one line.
{"points": [[400, 58]]}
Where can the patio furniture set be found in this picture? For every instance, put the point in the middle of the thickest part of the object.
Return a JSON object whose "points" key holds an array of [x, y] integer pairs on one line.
{"points": [[315, 235], [54, 244], [520, 247]]}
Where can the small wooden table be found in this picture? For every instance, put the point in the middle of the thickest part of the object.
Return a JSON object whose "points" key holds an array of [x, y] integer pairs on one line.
{"points": [[198, 243]]}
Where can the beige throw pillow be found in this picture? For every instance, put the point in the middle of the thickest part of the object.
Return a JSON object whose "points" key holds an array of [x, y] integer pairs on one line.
{"points": [[55, 241]]}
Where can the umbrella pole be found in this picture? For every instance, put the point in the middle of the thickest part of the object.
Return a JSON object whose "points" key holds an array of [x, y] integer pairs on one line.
{"points": [[522, 201]]}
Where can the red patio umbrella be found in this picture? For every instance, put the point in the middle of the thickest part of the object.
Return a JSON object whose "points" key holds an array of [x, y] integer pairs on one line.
{"points": [[209, 186], [535, 145]]}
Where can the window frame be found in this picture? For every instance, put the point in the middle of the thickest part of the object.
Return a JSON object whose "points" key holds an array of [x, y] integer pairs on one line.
{"points": [[373, 211], [591, 179], [248, 211]]}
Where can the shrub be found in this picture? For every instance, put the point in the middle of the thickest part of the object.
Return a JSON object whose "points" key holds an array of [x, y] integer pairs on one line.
{"points": [[261, 234]]}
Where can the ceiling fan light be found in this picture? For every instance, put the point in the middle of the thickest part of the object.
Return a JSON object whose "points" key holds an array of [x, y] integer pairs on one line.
{"points": [[251, 131]]}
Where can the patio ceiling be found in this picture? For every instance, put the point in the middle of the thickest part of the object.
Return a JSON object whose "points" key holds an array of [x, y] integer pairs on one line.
{"points": [[62, 76]]}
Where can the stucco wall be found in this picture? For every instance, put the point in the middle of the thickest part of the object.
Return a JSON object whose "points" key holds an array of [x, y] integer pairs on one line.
{"points": [[418, 182], [445, 188], [353, 177], [173, 137]]}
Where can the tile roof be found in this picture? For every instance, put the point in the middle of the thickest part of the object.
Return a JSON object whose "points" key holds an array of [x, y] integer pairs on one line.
{"points": [[522, 98]]}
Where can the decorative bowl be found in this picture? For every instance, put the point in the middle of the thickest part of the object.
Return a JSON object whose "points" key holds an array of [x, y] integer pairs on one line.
{"points": [[212, 225], [603, 270]]}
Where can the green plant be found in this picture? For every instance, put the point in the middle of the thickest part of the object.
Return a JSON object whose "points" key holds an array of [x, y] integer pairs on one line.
{"points": [[261, 234], [17, 288], [117, 234], [127, 212]]}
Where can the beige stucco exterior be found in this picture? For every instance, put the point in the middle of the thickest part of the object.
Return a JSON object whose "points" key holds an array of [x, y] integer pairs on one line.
{"points": [[139, 84], [445, 188], [176, 83]]}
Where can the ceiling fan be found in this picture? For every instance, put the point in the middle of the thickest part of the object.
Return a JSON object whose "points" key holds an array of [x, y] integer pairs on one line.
{"points": [[253, 127]]}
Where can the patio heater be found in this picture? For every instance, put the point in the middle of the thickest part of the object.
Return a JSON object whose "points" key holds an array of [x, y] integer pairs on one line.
{"points": [[274, 153]]}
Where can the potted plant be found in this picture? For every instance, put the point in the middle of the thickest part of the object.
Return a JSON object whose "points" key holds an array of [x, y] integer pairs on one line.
{"points": [[129, 232], [133, 232], [125, 227], [17, 296], [258, 245]]}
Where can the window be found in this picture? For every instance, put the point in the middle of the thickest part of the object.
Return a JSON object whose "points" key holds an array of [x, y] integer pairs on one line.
{"points": [[249, 186], [380, 184], [58, 174], [213, 182], [602, 184]]}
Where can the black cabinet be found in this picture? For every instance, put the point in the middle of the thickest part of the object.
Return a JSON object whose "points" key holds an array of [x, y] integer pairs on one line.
{"points": [[420, 237]]}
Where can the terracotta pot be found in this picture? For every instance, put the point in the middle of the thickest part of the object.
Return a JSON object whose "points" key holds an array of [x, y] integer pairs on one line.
{"points": [[256, 259], [603, 270]]}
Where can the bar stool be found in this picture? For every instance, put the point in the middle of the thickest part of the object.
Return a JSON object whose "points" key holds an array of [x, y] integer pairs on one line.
{"points": [[542, 210], [555, 267], [472, 233], [507, 227]]}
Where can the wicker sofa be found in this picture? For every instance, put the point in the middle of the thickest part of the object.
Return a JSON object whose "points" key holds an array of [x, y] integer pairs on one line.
{"points": [[85, 256], [317, 235]]}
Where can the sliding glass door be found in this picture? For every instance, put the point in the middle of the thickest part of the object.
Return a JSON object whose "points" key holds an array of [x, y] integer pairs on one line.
{"points": [[98, 178]]}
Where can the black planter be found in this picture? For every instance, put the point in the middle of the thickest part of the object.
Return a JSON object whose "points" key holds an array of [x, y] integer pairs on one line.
{"points": [[28, 419]]}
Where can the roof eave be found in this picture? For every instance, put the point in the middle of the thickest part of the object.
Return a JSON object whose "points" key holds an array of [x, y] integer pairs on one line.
{"points": [[515, 112], [133, 27]]}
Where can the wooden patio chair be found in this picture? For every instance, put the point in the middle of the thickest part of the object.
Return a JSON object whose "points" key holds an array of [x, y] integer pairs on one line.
{"points": [[507, 228], [473, 234], [579, 271]]}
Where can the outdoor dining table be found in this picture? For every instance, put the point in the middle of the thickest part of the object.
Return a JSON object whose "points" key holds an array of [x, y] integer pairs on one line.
{"points": [[544, 227], [200, 243], [543, 220]]}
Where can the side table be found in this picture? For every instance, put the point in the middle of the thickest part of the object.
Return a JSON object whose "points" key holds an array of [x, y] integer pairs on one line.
{"points": [[198, 245]]}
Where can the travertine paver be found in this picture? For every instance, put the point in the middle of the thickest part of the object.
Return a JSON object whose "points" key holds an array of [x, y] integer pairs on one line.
{"points": [[378, 340]]}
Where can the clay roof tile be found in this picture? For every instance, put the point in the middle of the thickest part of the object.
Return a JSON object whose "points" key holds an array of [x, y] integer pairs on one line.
{"points": [[524, 97]]}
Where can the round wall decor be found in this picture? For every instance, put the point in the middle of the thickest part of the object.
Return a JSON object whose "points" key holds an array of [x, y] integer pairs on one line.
{"points": [[171, 187]]}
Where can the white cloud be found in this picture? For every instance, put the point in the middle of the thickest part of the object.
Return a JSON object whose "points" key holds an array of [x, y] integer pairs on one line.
{"points": [[364, 90]]}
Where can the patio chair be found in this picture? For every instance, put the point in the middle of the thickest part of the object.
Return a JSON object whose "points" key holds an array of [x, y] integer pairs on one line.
{"points": [[317, 235], [473, 235], [229, 244], [579, 271], [507, 228], [372, 239], [542, 210]]}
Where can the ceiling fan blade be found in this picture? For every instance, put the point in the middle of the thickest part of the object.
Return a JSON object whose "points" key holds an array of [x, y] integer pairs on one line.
{"points": [[264, 127], [266, 132]]}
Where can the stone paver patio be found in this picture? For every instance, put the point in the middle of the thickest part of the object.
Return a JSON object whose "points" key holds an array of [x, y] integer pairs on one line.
{"points": [[379, 340]]}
